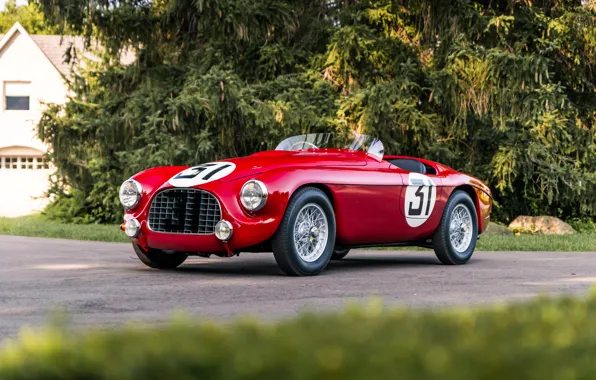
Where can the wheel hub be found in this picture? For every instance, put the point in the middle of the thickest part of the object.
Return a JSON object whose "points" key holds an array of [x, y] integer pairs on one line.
{"points": [[310, 232], [460, 228]]}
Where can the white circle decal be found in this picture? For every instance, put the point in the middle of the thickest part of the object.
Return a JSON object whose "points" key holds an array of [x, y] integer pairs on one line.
{"points": [[198, 175], [421, 195]]}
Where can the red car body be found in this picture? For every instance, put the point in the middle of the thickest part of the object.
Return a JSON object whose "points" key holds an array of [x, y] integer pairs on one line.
{"points": [[370, 197]]}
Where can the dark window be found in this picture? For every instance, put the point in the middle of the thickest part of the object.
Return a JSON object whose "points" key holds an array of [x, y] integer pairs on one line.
{"points": [[29, 163], [17, 103]]}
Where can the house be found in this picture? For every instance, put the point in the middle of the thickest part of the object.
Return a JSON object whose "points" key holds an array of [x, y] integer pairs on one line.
{"points": [[32, 72]]}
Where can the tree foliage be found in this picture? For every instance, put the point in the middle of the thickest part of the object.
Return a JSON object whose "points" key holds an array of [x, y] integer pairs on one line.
{"points": [[503, 90], [30, 16]]}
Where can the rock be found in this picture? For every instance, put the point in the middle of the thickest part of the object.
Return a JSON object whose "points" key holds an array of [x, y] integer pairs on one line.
{"points": [[547, 225], [497, 229]]}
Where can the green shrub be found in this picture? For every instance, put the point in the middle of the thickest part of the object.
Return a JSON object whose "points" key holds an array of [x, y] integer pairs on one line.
{"points": [[543, 339], [584, 225], [503, 90]]}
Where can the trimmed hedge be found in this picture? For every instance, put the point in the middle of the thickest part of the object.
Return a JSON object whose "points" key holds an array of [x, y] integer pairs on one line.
{"points": [[543, 339]]}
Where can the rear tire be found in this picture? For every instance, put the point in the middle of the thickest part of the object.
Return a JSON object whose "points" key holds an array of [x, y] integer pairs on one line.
{"points": [[339, 254], [455, 239], [158, 259], [304, 241]]}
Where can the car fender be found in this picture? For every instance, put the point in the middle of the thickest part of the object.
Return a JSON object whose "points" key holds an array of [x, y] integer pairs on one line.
{"points": [[480, 192], [152, 180]]}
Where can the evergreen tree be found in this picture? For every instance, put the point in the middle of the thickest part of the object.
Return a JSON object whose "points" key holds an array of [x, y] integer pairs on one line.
{"points": [[30, 16], [501, 89]]}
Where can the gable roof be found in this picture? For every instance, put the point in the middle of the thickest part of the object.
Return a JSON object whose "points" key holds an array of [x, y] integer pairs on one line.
{"points": [[54, 47]]}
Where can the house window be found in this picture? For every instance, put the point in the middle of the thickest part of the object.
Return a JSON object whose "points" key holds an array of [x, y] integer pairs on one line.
{"points": [[23, 163], [16, 96]]}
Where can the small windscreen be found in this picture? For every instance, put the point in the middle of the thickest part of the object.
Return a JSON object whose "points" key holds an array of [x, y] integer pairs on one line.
{"points": [[357, 142]]}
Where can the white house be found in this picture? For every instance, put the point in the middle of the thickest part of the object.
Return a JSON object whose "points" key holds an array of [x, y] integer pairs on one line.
{"points": [[32, 72], [31, 69]]}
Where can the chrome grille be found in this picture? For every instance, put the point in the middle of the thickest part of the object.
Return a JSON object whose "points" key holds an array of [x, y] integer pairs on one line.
{"points": [[184, 211]]}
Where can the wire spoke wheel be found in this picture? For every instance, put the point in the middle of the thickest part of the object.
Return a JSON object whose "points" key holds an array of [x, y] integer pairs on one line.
{"points": [[454, 240], [461, 228], [311, 232], [305, 238]]}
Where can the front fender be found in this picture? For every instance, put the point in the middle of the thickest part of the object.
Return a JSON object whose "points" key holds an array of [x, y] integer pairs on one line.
{"points": [[151, 180], [255, 228]]}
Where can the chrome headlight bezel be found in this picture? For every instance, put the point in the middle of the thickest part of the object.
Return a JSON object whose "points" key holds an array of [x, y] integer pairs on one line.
{"points": [[130, 184], [132, 228], [225, 226], [253, 185]]}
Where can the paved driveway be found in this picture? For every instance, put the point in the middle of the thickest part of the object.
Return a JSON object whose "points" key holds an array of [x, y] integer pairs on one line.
{"points": [[105, 284]]}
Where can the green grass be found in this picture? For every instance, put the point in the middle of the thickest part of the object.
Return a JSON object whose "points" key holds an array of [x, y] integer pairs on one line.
{"points": [[525, 242], [37, 225], [565, 243]]}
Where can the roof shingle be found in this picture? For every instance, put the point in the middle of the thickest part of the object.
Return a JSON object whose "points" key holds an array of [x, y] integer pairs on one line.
{"points": [[54, 47]]}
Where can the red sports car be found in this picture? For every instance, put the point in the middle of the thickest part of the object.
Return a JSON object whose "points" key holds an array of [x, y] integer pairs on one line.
{"points": [[311, 200]]}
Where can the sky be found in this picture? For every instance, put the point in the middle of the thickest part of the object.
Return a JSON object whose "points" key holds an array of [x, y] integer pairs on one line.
{"points": [[19, 2]]}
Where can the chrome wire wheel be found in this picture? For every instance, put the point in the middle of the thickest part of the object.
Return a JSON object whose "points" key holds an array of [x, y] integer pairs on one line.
{"points": [[461, 228], [311, 232]]}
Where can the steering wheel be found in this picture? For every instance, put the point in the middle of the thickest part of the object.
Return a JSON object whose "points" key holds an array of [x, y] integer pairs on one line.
{"points": [[302, 142]]}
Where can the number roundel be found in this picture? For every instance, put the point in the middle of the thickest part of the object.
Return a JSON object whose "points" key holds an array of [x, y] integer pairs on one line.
{"points": [[421, 196], [201, 174]]}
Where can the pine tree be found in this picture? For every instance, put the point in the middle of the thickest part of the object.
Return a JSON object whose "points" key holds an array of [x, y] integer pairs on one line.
{"points": [[503, 90]]}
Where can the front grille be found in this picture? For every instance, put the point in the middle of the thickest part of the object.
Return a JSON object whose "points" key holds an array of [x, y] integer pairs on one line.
{"points": [[184, 211]]}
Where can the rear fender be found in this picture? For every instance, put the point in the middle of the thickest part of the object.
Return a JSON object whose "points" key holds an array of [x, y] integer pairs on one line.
{"points": [[478, 191]]}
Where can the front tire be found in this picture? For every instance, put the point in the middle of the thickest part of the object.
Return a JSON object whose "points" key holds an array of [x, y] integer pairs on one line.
{"points": [[158, 259], [339, 254], [304, 241], [455, 239]]}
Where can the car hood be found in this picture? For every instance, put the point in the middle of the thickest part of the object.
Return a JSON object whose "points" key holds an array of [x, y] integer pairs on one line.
{"points": [[270, 160]]}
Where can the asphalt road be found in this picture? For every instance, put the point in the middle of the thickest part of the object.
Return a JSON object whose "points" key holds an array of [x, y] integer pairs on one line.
{"points": [[104, 284]]}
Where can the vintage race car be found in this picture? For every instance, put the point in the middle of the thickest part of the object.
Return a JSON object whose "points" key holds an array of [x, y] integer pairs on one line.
{"points": [[311, 200]]}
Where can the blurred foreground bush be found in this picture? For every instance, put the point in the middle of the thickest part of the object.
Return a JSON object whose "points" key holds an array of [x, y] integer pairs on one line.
{"points": [[544, 339]]}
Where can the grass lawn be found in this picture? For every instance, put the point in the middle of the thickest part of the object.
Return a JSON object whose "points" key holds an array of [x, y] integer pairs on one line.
{"points": [[549, 243], [37, 225], [578, 243]]}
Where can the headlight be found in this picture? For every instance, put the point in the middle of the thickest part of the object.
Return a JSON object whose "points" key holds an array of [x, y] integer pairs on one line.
{"points": [[223, 230], [132, 228], [253, 195], [130, 193]]}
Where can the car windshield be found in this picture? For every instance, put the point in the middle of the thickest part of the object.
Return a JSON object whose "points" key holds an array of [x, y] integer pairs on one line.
{"points": [[364, 143]]}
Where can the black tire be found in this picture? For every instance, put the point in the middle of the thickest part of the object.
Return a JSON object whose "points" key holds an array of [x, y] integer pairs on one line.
{"points": [[339, 254], [155, 258], [442, 244], [283, 245]]}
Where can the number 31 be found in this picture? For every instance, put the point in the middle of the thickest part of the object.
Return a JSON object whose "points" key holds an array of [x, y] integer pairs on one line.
{"points": [[422, 195]]}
